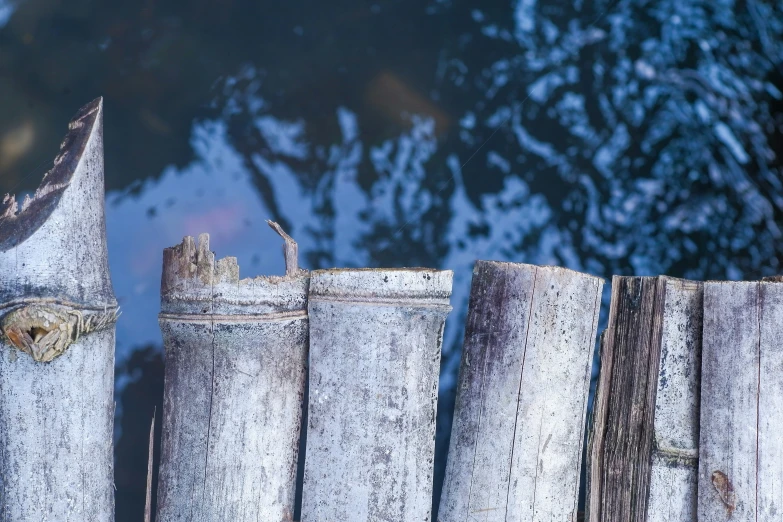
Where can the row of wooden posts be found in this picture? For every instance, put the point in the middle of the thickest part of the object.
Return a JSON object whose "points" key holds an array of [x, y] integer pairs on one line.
{"points": [[686, 421]]}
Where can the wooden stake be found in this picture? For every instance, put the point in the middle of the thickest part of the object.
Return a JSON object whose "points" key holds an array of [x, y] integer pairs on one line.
{"points": [[642, 459], [516, 441], [236, 354], [57, 313], [741, 449], [375, 341]]}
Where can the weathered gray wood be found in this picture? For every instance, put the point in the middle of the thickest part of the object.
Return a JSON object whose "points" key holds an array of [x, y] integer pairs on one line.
{"points": [[729, 406], [675, 451], [235, 359], [375, 341], [516, 442], [741, 451], [57, 310], [770, 406], [597, 431], [644, 441]]}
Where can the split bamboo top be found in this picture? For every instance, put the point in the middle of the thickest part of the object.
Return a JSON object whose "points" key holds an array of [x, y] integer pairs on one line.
{"points": [[194, 282]]}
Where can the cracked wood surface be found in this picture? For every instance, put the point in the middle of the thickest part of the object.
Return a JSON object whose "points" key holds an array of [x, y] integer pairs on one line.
{"points": [[674, 460], [516, 443], [56, 418], [235, 354], [741, 448], [642, 458], [375, 343]]}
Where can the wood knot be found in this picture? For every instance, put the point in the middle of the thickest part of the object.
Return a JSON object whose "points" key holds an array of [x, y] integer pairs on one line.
{"points": [[725, 490], [46, 331]]}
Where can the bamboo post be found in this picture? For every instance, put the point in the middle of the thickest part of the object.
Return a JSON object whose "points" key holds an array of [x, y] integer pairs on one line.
{"points": [[375, 341], [516, 441], [741, 449], [643, 454], [235, 355], [57, 313]]}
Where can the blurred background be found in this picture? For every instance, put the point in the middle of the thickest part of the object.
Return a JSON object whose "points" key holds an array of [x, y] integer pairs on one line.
{"points": [[610, 136]]}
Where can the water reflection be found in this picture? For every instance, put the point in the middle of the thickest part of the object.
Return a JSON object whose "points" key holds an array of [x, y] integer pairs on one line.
{"points": [[614, 137], [213, 194]]}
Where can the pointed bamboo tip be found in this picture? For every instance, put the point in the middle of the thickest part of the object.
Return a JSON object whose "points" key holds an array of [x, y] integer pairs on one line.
{"points": [[88, 114], [18, 223]]}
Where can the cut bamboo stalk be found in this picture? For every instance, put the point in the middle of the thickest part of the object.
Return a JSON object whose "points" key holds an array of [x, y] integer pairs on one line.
{"points": [[674, 463], [643, 454], [741, 449], [375, 341], [236, 353], [57, 314], [516, 441]]}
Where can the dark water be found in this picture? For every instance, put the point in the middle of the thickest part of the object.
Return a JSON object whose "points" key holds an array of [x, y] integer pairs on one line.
{"points": [[613, 137]]}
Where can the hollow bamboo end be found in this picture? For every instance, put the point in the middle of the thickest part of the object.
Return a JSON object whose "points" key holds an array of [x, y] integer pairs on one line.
{"points": [[417, 286]]}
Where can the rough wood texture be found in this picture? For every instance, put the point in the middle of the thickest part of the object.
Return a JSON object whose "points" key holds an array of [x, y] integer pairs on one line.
{"points": [[769, 474], [642, 463], [375, 341], [56, 418], [516, 441], [675, 452], [741, 449], [236, 353]]}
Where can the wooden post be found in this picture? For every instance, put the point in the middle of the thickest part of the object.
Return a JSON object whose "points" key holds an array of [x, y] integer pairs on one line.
{"points": [[375, 341], [516, 441], [57, 313], [236, 354], [644, 440], [741, 448]]}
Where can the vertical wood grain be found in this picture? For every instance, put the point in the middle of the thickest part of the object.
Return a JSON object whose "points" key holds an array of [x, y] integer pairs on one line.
{"points": [[56, 417], [644, 441], [234, 381], [729, 402], [516, 442], [375, 343]]}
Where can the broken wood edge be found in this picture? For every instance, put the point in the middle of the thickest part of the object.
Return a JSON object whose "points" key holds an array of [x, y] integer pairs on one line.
{"points": [[209, 314], [602, 433], [55, 287], [194, 282], [290, 249], [42, 314], [18, 224]]}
